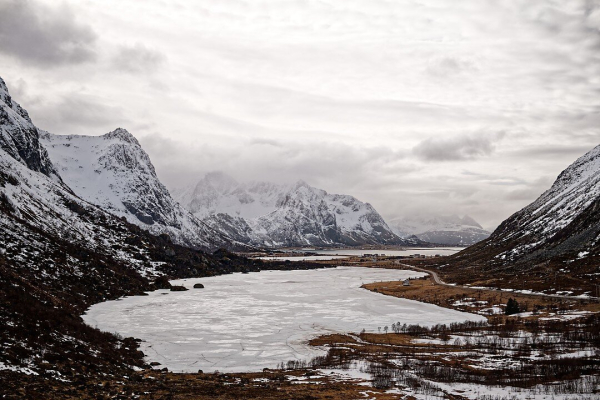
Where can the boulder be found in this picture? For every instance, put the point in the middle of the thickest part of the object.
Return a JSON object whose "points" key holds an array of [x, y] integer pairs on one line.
{"points": [[162, 282]]}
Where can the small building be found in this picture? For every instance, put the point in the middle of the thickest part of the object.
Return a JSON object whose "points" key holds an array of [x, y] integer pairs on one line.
{"points": [[406, 282]]}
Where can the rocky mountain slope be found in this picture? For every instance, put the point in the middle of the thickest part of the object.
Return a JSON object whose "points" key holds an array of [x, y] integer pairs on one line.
{"points": [[449, 230], [553, 244], [113, 172], [19, 138], [267, 214]]}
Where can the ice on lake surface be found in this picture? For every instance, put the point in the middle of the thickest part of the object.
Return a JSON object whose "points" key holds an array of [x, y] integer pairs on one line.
{"points": [[247, 322]]}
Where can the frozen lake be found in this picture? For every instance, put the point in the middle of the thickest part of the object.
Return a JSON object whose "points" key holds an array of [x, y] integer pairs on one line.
{"points": [[247, 322]]}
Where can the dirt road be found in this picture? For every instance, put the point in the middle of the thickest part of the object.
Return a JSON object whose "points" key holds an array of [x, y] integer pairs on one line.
{"points": [[438, 281]]}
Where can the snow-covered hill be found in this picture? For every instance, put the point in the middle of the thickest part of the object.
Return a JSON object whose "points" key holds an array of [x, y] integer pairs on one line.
{"points": [[558, 235], [568, 210], [268, 214], [113, 172], [441, 229]]}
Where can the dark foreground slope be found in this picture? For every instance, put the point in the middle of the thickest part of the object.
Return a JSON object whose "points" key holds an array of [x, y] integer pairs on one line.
{"points": [[553, 244], [44, 294]]}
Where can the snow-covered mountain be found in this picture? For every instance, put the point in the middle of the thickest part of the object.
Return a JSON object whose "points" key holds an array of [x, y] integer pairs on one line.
{"points": [[19, 138], [561, 228], [268, 214], [113, 172], [41, 216], [564, 219], [441, 229]]}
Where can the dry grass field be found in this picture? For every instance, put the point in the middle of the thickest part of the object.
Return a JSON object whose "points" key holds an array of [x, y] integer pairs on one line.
{"points": [[478, 300]]}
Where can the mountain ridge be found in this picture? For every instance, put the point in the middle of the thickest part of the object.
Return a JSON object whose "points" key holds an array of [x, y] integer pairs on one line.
{"points": [[285, 215], [114, 172], [450, 230]]}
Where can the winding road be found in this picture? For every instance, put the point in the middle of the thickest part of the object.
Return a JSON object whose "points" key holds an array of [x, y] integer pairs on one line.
{"points": [[438, 281]]}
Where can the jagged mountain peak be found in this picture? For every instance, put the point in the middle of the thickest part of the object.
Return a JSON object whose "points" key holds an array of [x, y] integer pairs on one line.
{"points": [[123, 135], [20, 138], [7, 99], [4, 95], [585, 167], [301, 184], [301, 189], [114, 172], [269, 214]]}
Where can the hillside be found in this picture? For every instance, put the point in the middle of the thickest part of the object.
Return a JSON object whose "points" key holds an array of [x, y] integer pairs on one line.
{"points": [[553, 244]]}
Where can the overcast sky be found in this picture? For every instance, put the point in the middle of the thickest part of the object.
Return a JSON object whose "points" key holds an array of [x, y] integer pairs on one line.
{"points": [[467, 107]]}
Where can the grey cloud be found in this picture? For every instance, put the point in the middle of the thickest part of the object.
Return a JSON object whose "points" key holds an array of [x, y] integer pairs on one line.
{"points": [[36, 33], [265, 142], [568, 151], [77, 113], [532, 191], [448, 66], [319, 163], [87, 111], [527, 194], [138, 59], [464, 147], [18, 90], [493, 179]]}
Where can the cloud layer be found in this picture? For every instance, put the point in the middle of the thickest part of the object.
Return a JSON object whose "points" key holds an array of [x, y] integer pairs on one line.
{"points": [[423, 106]]}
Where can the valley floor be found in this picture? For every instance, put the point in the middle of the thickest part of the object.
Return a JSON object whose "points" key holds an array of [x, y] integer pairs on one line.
{"points": [[551, 350]]}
